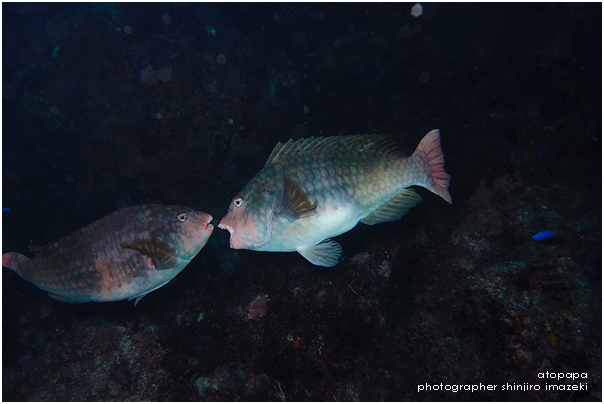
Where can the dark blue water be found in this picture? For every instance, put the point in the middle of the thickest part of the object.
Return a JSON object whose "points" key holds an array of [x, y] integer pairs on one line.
{"points": [[112, 105]]}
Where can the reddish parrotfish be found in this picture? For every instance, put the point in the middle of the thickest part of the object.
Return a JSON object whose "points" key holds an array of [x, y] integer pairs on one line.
{"points": [[125, 255], [313, 189]]}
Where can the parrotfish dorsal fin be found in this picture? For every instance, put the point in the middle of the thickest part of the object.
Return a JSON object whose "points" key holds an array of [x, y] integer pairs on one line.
{"points": [[294, 201], [395, 208], [34, 245], [160, 252], [375, 142]]}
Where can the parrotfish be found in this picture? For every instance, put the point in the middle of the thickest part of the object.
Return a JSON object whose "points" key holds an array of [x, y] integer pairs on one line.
{"points": [[313, 189], [543, 235], [125, 255]]}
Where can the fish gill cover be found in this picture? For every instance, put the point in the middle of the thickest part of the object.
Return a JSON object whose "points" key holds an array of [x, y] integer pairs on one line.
{"points": [[113, 105]]}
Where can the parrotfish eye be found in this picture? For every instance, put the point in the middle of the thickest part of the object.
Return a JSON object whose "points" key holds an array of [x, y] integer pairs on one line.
{"points": [[238, 202], [182, 217]]}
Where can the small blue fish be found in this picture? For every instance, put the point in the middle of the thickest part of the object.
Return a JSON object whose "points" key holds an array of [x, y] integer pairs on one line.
{"points": [[544, 235]]}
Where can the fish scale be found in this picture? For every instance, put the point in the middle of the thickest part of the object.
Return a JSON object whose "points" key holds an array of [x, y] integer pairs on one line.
{"points": [[124, 255], [338, 171], [313, 189]]}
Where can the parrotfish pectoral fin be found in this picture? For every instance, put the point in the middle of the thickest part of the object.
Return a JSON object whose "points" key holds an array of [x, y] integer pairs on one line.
{"points": [[294, 201], [430, 147], [395, 208], [160, 253], [145, 293], [325, 254], [65, 299]]}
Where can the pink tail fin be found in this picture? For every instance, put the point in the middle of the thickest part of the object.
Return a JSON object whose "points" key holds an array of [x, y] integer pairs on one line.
{"points": [[11, 260], [430, 146]]}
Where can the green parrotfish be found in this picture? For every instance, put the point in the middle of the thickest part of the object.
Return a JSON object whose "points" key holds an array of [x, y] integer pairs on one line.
{"points": [[125, 255], [316, 188]]}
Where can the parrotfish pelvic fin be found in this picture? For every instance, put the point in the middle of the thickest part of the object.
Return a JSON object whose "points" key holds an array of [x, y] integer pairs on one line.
{"points": [[430, 147], [145, 293], [294, 201]]}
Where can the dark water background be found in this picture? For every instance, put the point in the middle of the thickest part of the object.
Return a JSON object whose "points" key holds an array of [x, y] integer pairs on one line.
{"points": [[111, 105]]}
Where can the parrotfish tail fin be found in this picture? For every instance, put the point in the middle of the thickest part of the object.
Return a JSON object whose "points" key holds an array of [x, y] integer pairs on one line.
{"points": [[429, 149], [13, 260]]}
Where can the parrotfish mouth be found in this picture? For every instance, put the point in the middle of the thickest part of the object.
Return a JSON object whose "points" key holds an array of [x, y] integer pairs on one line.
{"points": [[210, 226], [233, 242], [225, 227], [230, 229]]}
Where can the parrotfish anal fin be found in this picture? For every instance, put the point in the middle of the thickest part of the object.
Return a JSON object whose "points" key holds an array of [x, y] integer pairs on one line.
{"points": [[294, 201], [160, 253], [376, 142], [69, 299], [325, 254], [395, 208], [145, 293]]}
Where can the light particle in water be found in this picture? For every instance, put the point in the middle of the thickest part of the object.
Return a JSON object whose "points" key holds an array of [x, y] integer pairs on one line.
{"points": [[405, 31], [128, 29], [299, 39], [221, 59], [424, 77], [417, 10], [166, 19], [165, 74], [149, 76], [58, 28], [211, 29]]}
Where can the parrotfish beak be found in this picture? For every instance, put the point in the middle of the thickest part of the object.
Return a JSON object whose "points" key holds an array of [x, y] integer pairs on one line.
{"points": [[234, 246], [209, 228], [201, 231], [227, 223]]}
